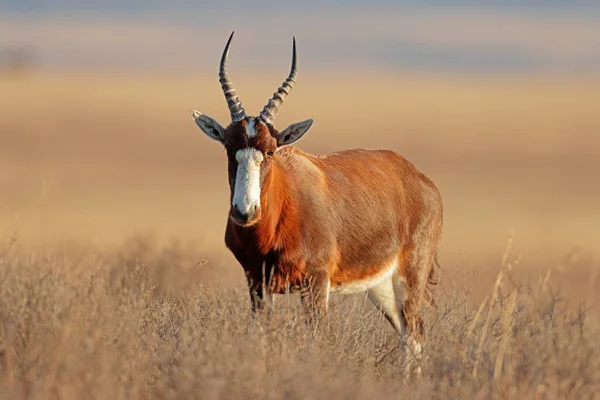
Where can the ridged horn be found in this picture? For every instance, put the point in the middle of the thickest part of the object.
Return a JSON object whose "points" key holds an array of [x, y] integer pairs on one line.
{"points": [[233, 102], [270, 110]]}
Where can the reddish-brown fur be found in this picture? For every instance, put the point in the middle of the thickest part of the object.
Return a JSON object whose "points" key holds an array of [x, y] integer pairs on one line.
{"points": [[328, 221]]}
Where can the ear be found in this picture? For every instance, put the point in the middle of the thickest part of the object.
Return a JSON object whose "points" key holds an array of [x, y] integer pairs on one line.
{"points": [[293, 133], [209, 126]]}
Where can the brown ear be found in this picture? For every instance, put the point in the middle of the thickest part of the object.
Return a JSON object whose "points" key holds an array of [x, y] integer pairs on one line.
{"points": [[293, 133]]}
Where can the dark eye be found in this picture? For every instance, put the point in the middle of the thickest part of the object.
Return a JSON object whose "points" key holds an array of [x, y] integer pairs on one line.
{"points": [[270, 153]]}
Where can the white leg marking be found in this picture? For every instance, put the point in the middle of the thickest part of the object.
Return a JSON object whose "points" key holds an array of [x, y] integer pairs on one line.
{"points": [[246, 194], [415, 353]]}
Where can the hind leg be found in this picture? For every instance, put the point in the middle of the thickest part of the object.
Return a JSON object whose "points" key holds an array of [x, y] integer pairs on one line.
{"points": [[417, 272], [388, 298]]}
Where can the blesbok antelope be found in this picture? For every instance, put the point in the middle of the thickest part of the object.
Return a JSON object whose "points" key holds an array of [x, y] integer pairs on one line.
{"points": [[348, 222]]}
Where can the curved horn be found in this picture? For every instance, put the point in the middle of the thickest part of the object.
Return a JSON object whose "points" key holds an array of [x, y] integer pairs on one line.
{"points": [[268, 113], [233, 102]]}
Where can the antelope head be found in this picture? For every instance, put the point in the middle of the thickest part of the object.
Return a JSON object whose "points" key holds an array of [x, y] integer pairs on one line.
{"points": [[251, 142]]}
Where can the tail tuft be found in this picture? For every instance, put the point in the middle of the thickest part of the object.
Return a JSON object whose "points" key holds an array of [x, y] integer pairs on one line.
{"points": [[433, 275], [432, 280]]}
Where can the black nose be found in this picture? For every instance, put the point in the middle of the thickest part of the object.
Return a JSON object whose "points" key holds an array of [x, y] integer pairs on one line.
{"points": [[244, 217]]}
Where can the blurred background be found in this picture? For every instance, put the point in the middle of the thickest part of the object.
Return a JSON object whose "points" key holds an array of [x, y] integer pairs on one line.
{"points": [[497, 103]]}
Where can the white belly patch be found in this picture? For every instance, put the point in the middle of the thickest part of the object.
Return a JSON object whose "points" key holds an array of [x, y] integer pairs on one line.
{"points": [[365, 284]]}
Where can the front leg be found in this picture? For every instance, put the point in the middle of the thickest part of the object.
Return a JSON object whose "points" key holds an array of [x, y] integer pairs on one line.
{"points": [[314, 294], [261, 296]]}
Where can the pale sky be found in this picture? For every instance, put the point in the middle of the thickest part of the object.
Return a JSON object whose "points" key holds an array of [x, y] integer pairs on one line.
{"points": [[458, 37]]}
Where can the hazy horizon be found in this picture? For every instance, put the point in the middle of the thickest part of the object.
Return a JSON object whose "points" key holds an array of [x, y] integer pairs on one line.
{"points": [[458, 37]]}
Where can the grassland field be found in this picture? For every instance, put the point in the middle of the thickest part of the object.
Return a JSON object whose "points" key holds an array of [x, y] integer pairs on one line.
{"points": [[116, 282]]}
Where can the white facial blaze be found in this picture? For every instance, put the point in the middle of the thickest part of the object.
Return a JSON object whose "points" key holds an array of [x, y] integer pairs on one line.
{"points": [[246, 194], [251, 128]]}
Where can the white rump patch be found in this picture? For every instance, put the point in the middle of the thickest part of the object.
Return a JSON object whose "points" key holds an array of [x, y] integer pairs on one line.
{"points": [[370, 282], [246, 194], [251, 128]]}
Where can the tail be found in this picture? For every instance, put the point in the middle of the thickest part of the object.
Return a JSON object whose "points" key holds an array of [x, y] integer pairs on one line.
{"points": [[433, 275], [432, 280]]}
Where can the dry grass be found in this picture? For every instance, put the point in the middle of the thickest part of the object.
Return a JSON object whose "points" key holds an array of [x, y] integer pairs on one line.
{"points": [[79, 323]]}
